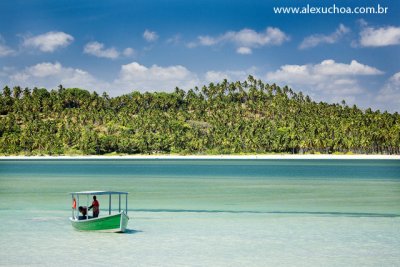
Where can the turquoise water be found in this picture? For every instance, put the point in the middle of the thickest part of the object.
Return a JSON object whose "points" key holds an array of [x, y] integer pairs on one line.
{"points": [[206, 212]]}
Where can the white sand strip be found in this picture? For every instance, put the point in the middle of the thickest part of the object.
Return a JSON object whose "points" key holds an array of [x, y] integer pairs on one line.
{"points": [[271, 156]]}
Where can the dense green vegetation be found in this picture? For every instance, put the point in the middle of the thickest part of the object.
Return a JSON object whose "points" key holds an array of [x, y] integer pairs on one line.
{"points": [[239, 117]]}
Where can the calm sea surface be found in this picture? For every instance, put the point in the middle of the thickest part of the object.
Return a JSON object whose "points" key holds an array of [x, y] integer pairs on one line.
{"points": [[205, 212]]}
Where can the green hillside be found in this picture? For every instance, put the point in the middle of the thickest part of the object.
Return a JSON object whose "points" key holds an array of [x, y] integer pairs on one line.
{"points": [[224, 118]]}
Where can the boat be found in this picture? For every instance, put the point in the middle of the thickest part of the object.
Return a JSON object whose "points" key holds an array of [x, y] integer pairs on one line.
{"points": [[114, 221]]}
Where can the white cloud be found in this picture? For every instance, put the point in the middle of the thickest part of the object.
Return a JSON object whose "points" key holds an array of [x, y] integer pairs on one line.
{"points": [[244, 39], [250, 38], [155, 78], [330, 67], [50, 75], [5, 50], [133, 76], [44, 69], [191, 44], [326, 68], [150, 36], [82, 79], [375, 37], [316, 39], [207, 40], [362, 23], [176, 39], [389, 94], [48, 42], [128, 52], [244, 50], [230, 75], [328, 80], [97, 49]]}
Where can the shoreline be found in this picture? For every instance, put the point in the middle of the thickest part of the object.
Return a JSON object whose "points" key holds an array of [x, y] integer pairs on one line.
{"points": [[273, 156]]}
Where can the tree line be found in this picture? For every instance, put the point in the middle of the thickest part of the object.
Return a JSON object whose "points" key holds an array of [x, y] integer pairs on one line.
{"points": [[223, 118]]}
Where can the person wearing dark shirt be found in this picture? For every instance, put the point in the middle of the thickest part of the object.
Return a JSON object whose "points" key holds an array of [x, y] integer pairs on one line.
{"points": [[83, 211]]}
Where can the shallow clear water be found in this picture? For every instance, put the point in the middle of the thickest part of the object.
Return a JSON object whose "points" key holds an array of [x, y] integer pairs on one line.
{"points": [[206, 212]]}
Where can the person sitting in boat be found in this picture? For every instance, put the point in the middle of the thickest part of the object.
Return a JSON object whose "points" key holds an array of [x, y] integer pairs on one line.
{"points": [[96, 207], [83, 211]]}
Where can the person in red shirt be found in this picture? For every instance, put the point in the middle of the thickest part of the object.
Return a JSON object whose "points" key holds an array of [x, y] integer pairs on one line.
{"points": [[96, 207]]}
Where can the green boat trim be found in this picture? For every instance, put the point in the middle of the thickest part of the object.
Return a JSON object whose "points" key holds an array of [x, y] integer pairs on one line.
{"points": [[115, 223]]}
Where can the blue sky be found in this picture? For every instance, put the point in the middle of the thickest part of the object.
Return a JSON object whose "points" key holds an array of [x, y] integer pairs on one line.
{"points": [[120, 46]]}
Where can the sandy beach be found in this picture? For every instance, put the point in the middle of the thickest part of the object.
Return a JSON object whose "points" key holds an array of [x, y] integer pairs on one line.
{"points": [[272, 156]]}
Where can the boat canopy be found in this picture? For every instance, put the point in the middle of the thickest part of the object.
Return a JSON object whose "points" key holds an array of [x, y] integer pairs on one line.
{"points": [[99, 193]]}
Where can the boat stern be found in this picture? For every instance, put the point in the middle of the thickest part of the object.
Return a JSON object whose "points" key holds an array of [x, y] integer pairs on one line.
{"points": [[124, 221]]}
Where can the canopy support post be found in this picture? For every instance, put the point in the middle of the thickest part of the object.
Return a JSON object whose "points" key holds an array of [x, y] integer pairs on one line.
{"points": [[109, 204], [119, 203], [126, 204]]}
